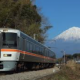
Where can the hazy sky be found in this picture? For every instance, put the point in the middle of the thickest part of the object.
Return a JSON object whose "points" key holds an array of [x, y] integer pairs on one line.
{"points": [[62, 14]]}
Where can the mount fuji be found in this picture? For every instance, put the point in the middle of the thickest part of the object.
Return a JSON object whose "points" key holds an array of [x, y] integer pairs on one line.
{"points": [[68, 41]]}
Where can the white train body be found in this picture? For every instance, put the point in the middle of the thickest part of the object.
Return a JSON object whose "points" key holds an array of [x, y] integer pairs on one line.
{"points": [[14, 48]]}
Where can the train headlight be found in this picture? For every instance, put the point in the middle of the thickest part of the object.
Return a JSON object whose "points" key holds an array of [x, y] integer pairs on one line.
{"points": [[7, 55]]}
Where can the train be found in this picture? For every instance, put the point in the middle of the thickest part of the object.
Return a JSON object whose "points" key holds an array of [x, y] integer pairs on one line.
{"points": [[19, 51]]}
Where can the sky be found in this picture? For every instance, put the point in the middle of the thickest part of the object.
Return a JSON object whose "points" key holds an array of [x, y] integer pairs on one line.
{"points": [[62, 14]]}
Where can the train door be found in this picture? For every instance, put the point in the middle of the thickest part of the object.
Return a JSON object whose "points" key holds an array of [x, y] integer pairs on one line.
{"points": [[24, 47], [0, 42], [21, 45]]}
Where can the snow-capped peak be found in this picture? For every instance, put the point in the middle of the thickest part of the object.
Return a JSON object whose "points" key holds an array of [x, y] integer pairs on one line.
{"points": [[70, 34]]}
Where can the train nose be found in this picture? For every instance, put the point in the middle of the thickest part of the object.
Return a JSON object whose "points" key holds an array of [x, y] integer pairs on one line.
{"points": [[7, 65]]}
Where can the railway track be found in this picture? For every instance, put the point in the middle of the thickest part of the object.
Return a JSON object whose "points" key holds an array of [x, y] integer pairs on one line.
{"points": [[29, 75]]}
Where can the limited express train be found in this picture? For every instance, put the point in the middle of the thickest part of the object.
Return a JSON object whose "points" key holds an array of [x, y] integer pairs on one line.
{"points": [[19, 51]]}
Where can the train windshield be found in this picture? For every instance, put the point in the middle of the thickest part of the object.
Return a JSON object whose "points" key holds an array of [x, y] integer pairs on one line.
{"points": [[10, 39]]}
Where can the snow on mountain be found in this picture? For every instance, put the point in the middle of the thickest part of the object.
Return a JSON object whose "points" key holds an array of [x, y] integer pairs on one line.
{"points": [[71, 33], [68, 41]]}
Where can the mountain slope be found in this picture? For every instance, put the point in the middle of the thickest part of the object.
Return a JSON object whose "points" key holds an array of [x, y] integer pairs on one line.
{"points": [[68, 41]]}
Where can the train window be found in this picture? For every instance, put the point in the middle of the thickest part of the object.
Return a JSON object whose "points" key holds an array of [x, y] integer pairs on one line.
{"points": [[10, 39], [33, 46], [30, 47], [51, 54], [27, 44], [41, 51], [24, 44], [37, 49], [18, 40], [47, 53]]}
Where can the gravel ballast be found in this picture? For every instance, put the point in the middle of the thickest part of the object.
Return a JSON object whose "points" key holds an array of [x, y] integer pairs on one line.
{"points": [[31, 75]]}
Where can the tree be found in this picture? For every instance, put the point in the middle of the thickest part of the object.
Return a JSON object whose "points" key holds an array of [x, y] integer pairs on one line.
{"points": [[76, 55], [22, 15]]}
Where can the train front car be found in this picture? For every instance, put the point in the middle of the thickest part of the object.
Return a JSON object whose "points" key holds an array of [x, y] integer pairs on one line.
{"points": [[19, 51], [8, 49]]}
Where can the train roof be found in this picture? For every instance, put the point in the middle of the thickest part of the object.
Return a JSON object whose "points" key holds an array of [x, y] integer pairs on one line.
{"points": [[8, 30], [18, 31]]}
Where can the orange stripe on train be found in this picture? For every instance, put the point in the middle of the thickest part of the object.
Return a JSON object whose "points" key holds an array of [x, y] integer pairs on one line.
{"points": [[28, 53]]}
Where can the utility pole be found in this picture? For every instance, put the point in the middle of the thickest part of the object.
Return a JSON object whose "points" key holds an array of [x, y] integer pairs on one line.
{"points": [[64, 56]]}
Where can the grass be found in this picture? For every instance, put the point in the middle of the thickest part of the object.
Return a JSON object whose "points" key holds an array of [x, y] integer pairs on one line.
{"points": [[66, 73]]}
